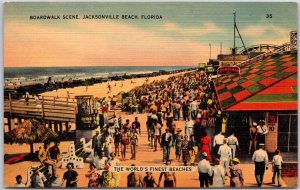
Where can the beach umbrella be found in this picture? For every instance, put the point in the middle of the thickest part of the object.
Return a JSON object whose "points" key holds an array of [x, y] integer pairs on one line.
{"points": [[32, 131]]}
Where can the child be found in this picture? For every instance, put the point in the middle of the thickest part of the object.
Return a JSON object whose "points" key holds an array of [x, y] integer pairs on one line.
{"points": [[19, 182], [276, 163]]}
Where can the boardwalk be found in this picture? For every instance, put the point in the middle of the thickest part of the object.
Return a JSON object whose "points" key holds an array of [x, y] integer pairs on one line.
{"points": [[50, 109]]}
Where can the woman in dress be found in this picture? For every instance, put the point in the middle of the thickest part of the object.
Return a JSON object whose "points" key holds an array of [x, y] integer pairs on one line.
{"points": [[93, 176], [218, 174], [178, 143], [205, 144], [185, 150], [235, 174]]}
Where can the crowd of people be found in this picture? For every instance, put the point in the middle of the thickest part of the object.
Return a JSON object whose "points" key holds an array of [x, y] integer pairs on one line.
{"points": [[206, 139]]}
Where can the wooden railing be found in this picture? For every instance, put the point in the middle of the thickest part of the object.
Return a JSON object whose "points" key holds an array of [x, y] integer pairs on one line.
{"points": [[47, 108]]}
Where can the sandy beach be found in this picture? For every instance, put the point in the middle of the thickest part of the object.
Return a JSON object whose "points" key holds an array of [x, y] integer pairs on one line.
{"points": [[101, 90]]}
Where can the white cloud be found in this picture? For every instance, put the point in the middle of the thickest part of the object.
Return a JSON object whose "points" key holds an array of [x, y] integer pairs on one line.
{"points": [[207, 28], [260, 30], [266, 34]]}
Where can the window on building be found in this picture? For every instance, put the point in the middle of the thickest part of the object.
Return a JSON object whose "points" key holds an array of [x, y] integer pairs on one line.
{"points": [[287, 133]]}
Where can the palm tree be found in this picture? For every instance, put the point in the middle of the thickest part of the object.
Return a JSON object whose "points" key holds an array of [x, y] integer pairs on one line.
{"points": [[32, 131]]}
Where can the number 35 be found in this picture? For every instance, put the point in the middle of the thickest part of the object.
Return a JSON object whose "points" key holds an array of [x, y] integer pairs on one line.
{"points": [[268, 15]]}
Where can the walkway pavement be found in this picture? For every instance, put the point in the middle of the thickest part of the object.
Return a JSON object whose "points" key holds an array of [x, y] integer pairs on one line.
{"points": [[145, 157]]}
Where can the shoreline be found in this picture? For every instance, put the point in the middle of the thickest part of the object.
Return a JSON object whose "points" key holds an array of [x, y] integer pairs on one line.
{"points": [[100, 90], [40, 87]]}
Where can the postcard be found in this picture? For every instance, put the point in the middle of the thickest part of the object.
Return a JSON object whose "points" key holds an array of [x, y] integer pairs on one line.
{"points": [[150, 94]]}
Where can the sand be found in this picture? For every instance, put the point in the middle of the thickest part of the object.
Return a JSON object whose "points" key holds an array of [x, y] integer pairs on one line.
{"points": [[101, 90], [145, 155]]}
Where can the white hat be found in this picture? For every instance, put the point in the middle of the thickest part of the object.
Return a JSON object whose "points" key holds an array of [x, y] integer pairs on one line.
{"points": [[204, 154], [254, 124]]}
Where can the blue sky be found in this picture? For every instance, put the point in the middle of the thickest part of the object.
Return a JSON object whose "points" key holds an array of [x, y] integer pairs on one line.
{"points": [[182, 37]]}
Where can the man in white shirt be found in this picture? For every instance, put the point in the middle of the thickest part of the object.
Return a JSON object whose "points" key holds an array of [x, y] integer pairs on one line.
{"points": [[218, 141], [157, 128], [262, 130], [189, 127], [204, 170], [277, 162], [194, 107], [166, 142], [37, 179], [261, 160], [19, 182], [225, 155], [233, 143]]}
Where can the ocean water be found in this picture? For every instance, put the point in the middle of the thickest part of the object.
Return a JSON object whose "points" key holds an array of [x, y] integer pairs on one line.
{"points": [[41, 74]]}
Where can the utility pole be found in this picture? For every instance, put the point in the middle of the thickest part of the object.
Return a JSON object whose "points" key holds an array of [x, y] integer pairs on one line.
{"points": [[209, 51], [233, 51], [235, 28]]}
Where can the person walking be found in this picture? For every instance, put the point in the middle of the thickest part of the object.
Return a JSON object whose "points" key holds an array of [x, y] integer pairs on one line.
{"points": [[197, 131], [93, 176], [205, 144], [134, 179], [235, 174], [189, 127], [233, 143], [167, 141], [149, 180], [170, 179], [204, 170], [133, 143], [117, 141], [137, 125], [260, 159], [97, 145], [70, 176], [225, 155], [218, 141], [124, 143], [185, 150], [194, 107], [178, 143], [276, 163], [157, 129], [218, 174], [193, 150], [253, 137], [262, 130]]}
